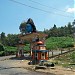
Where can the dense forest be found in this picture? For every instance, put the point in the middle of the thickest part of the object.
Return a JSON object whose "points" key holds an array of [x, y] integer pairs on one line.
{"points": [[63, 31]]}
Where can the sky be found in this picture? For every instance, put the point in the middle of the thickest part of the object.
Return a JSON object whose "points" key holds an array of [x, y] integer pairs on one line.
{"points": [[45, 13]]}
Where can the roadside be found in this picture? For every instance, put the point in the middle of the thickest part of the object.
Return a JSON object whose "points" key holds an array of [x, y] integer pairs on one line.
{"points": [[23, 67], [13, 66], [6, 57]]}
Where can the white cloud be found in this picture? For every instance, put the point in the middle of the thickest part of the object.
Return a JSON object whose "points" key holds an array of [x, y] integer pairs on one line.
{"points": [[70, 10]]}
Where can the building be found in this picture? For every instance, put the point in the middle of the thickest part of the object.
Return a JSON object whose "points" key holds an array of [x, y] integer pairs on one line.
{"points": [[39, 52]]}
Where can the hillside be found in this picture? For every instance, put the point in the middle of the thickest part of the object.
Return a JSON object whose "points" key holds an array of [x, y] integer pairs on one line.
{"points": [[59, 42]]}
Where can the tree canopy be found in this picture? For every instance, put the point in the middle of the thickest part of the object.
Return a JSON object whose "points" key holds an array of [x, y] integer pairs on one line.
{"points": [[66, 30], [12, 39]]}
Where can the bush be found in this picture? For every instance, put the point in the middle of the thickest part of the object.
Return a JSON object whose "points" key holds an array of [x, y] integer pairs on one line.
{"points": [[59, 42], [1, 48], [10, 50], [2, 53], [72, 57]]}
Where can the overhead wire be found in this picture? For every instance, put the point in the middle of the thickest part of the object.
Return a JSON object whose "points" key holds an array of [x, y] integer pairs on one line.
{"points": [[47, 6], [40, 9]]}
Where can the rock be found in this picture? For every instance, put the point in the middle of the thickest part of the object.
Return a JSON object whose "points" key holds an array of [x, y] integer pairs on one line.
{"points": [[68, 69]]}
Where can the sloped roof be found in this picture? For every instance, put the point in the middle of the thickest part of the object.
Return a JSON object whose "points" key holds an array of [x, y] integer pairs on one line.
{"points": [[31, 36]]}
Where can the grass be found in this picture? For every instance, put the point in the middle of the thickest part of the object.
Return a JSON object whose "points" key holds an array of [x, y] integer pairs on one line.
{"points": [[10, 50], [51, 43], [13, 50], [59, 42], [27, 47], [67, 60]]}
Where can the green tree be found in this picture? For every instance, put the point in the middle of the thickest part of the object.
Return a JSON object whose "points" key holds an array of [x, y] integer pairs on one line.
{"points": [[12, 39], [73, 23], [22, 27], [3, 38], [70, 29], [1, 47], [61, 31], [53, 31]]}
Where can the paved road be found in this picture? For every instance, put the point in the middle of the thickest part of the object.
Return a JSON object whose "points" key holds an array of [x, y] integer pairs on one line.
{"points": [[12, 67], [56, 52], [6, 57]]}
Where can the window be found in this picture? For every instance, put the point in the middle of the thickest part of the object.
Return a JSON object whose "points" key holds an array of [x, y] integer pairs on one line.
{"points": [[36, 54], [42, 54], [42, 48]]}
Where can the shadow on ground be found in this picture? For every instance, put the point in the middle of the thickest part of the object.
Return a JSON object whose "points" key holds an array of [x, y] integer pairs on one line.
{"points": [[29, 73], [21, 58]]}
